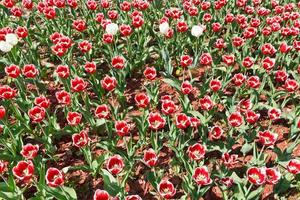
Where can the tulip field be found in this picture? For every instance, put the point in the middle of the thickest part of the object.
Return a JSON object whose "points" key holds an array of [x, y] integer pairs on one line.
{"points": [[149, 99]]}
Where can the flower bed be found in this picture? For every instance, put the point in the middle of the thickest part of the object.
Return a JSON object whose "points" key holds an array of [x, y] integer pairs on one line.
{"points": [[182, 99]]}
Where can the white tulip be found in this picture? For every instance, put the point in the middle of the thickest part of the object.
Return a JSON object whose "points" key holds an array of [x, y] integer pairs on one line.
{"points": [[164, 27], [5, 46], [197, 30], [12, 39], [112, 28]]}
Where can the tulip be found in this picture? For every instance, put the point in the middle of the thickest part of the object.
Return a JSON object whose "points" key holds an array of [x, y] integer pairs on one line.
{"points": [[11, 39], [112, 28], [256, 175], [102, 111], [24, 170], [166, 189], [294, 166], [164, 28], [5, 46], [101, 195], [80, 139], [201, 176], [150, 157], [29, 151], [155, 121], [54, 177], [196, 152], [197, 30], [115, 164]]}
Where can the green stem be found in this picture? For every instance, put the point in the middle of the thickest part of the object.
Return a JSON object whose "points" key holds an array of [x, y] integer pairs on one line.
{"points": [[248, 191], [261, 151], [13, 141]]}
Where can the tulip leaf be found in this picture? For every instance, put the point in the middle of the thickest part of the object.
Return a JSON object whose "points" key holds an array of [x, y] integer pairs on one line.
{"points": [[4, 61], [255, 194], [167, 60], [55, 192], [62, 193], [246, 148], [152, 179], [110, 183], [37, 198], [172, 83], [7, 193], [236, 178], [70, 191], [282, 186], [100, 122]]}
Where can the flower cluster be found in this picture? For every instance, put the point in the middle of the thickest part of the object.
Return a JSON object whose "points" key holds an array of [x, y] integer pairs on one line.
{"points": [[148, 99]]}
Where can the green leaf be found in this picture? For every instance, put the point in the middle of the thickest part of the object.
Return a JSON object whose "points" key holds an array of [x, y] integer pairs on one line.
{"points": [[203, 190], [62, 193], [236, 178], [42, 175], [5, 155], [54, 123], [174, 83], [95, 164], [100, 122], [246, 148], [110, 183], [37, 198], [255, 194], [7, 193], [152, 179], [4, 61], [197, 114], [55, 192], [186, 184], [282, 186], [291, 147], [70, 191], [5, 9], [166, 58]]}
